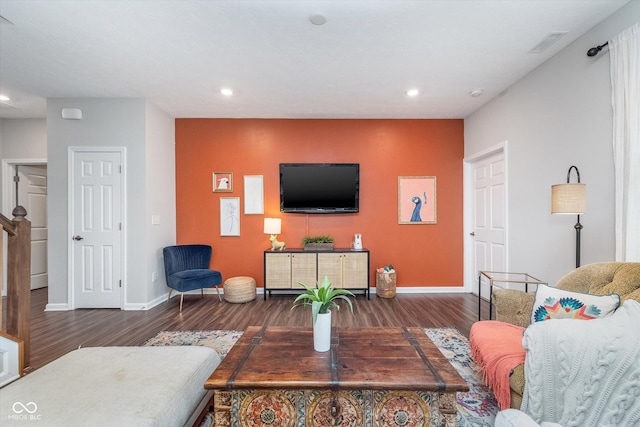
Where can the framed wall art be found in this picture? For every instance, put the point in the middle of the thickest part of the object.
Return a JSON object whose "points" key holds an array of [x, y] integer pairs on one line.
{"points": [[417, 200], [223, 181], [229, 216], [253, 195]]}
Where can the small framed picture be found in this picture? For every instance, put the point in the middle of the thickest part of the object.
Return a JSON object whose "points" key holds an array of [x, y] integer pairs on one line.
{"points": [[223, 181], [417, 200], [253, 194], [229, 216]]}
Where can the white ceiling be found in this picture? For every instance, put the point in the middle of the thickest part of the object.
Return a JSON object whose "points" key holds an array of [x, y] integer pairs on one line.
{"points": [[179, 54]]}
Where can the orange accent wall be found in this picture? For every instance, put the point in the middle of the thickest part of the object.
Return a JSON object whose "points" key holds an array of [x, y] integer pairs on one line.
{"points": [[423, 255]]}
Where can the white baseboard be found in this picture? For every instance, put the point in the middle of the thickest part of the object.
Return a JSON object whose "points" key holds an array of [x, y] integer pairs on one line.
{"points": [[154, 302], [407, 290], [163, 298], [260, 291], [428, 290], [57, 307], [136, 307], [399, 290], [207, 291]]}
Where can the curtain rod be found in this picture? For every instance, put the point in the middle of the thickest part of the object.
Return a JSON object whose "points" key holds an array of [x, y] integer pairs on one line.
{"points": [[595, 50]]}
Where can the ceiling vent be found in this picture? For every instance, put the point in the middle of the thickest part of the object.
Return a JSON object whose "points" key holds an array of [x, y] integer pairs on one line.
{"points": [[548, 41]]}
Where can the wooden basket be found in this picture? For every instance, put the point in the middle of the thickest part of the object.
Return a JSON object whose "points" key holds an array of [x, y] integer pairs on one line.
{"points": [[239, 289]]}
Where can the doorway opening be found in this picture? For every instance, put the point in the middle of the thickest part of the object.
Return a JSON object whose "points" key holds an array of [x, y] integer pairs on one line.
{"points": [[24, 182]]}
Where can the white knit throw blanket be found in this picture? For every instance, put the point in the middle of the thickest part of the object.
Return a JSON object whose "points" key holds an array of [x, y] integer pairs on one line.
{"points": [[584, 373]]}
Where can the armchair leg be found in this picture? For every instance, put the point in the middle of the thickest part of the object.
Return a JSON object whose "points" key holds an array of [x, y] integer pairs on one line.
{"points": [[201, 292], [181, 299], [218, 291], [170, 290]]}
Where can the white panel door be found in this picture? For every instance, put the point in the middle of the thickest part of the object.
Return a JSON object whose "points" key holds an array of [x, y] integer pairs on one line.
{"points": [[489, 228], [32, 195], [96, 229]]}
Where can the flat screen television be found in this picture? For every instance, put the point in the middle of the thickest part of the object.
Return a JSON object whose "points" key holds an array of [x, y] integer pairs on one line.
{"points": [[319, 187]]}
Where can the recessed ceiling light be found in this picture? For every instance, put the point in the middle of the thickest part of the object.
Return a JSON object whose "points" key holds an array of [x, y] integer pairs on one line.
{"points": [[476, 93], [413, 92], [318, 19], [4, 98], [226, 91]]}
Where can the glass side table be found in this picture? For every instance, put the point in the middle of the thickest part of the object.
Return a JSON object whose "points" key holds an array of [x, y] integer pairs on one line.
{"points": [[503, 277]]}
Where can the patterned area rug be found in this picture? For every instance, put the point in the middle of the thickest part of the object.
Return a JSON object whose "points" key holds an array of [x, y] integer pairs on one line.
{"points": [[476, 408]]}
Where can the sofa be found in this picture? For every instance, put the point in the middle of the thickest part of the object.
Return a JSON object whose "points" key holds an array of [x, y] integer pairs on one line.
{"points": [[514, 307]]}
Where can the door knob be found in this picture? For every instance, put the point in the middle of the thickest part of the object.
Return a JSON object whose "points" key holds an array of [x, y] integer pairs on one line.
{"points": [[473, 233], [78, 238]]}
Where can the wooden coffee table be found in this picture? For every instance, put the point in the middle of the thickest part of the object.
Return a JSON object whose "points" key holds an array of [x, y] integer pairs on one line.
{"points": [[369, 377]]}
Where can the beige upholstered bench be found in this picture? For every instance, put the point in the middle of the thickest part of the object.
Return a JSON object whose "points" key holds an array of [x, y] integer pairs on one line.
{"points": [[239, 289], [113, 386]]}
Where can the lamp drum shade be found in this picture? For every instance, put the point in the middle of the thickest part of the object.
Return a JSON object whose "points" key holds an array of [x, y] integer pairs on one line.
{"points": [[568, 199], [272, 225]]}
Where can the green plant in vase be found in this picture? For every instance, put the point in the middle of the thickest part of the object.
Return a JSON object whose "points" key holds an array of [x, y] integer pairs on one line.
{"points": [[322, 298]]}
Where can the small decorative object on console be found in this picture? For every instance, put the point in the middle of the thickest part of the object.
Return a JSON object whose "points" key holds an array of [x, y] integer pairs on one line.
{"points": [[357, 242], [275, 244]]}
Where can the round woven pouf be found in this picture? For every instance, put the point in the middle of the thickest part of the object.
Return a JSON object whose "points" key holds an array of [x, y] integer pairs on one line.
{"points": [[239, 289]]}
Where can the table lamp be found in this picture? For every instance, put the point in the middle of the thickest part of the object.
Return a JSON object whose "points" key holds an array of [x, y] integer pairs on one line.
{"points": [[570, 198], [273, 227]]}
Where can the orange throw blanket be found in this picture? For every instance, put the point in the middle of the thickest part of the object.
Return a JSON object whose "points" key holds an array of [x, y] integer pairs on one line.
{"points": [[497, 349]]}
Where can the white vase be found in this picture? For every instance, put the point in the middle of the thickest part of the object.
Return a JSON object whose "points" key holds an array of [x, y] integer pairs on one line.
{"points": [[322, 332]]}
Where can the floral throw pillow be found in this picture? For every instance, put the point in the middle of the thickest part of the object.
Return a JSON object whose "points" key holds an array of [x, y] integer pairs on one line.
{"points": [[554, 303]]}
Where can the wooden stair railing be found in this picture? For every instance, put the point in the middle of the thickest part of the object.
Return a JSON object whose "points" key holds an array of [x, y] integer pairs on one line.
{"points": [[18, 278]]}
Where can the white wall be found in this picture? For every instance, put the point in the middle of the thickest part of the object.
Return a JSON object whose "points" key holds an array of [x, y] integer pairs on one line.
{"points": [[23, 139], [149, 137], [161, 195], [110, 123], [557, 116]]}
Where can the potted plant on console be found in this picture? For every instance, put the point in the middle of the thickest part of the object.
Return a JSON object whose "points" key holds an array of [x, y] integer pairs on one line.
{"points": [[317, 243], [321, 299]]}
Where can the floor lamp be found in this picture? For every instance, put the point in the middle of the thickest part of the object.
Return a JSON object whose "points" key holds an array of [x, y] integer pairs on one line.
{"points": [[570, 198]]}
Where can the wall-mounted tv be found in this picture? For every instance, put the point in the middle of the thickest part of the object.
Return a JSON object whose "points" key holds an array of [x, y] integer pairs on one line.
{"points": [[319, 187]]}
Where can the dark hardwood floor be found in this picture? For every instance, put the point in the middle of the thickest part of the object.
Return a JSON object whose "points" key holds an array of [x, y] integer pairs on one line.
{"points": [[56, 333]]}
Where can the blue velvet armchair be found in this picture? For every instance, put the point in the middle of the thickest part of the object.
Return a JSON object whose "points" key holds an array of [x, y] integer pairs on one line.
{"points": [[187, 268]]}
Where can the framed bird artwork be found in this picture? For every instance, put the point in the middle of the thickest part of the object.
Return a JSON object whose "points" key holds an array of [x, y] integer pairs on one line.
{"points": [[417, 200]]}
